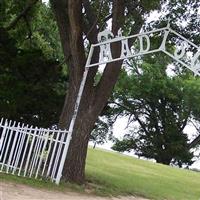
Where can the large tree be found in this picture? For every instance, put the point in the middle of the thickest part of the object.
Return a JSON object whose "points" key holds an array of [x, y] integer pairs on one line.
{"points": [[158, 102], [32, 76], [79, 23], [31, 85]]}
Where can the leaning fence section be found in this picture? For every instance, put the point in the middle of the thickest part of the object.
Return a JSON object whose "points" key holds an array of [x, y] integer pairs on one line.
{"points": [[30, 151]]}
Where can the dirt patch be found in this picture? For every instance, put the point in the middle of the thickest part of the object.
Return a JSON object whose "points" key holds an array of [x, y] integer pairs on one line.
{"points": [[13, 191]]}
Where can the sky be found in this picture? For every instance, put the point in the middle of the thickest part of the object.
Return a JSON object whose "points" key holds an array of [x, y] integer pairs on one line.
{"points": [[45, 1]]}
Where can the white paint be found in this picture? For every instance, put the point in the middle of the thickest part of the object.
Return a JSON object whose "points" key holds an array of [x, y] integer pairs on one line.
{"points": [[141, 39], [125, 51], [106, 38], [19, 159]]}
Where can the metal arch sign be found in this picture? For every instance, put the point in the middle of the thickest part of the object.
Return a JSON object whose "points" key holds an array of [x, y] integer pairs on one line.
{"points": [[143, 45], [185, 52]]}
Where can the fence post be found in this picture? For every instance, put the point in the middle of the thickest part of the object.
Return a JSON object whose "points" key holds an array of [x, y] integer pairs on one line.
{"points": [[2, 138], [71, 127], [64, 154]]}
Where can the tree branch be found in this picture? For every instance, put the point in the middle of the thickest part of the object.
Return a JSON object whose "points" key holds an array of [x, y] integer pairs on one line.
{"points": [[195, 142], [61, 13], [21, 15], [91, 31], [185, 121], [92, 22], [29, 29], [135, 115], [112, 70]]}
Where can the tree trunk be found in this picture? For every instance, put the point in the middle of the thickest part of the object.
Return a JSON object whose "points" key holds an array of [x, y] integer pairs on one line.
{"points": [[74, 169], [164, 158], [70, 21], [94, 146]]}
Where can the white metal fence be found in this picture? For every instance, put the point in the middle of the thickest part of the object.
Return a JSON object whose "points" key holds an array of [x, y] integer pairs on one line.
{"points": [[30, 151]]}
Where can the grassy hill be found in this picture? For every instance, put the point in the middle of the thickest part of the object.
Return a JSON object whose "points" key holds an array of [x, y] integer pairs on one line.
{"points": [[115, 174], [120, 174]]}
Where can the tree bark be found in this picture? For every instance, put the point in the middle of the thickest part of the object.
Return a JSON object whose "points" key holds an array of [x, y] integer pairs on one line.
{"points": [[69, 18]]}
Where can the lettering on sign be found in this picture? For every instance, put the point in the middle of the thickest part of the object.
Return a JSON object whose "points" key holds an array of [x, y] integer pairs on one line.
{"points": [[105, 51], [143, 46], [196, 61]]}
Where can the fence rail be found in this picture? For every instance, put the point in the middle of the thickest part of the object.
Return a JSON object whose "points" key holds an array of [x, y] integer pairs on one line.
{"points": [[31, 151]]}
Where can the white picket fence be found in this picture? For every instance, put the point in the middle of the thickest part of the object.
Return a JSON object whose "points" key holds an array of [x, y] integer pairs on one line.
{"points": [[30, 151]]}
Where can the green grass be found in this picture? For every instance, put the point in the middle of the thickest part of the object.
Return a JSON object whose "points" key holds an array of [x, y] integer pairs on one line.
{"points": [[44, 184], [123, 175], [115, 174]]}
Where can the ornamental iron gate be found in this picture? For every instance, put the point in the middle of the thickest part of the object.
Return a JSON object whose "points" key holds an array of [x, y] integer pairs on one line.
{"points": [[30, 151]]}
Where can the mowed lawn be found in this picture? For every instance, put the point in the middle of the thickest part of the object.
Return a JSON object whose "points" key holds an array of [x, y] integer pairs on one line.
{"points": [[117, 174], [114, 174]]}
